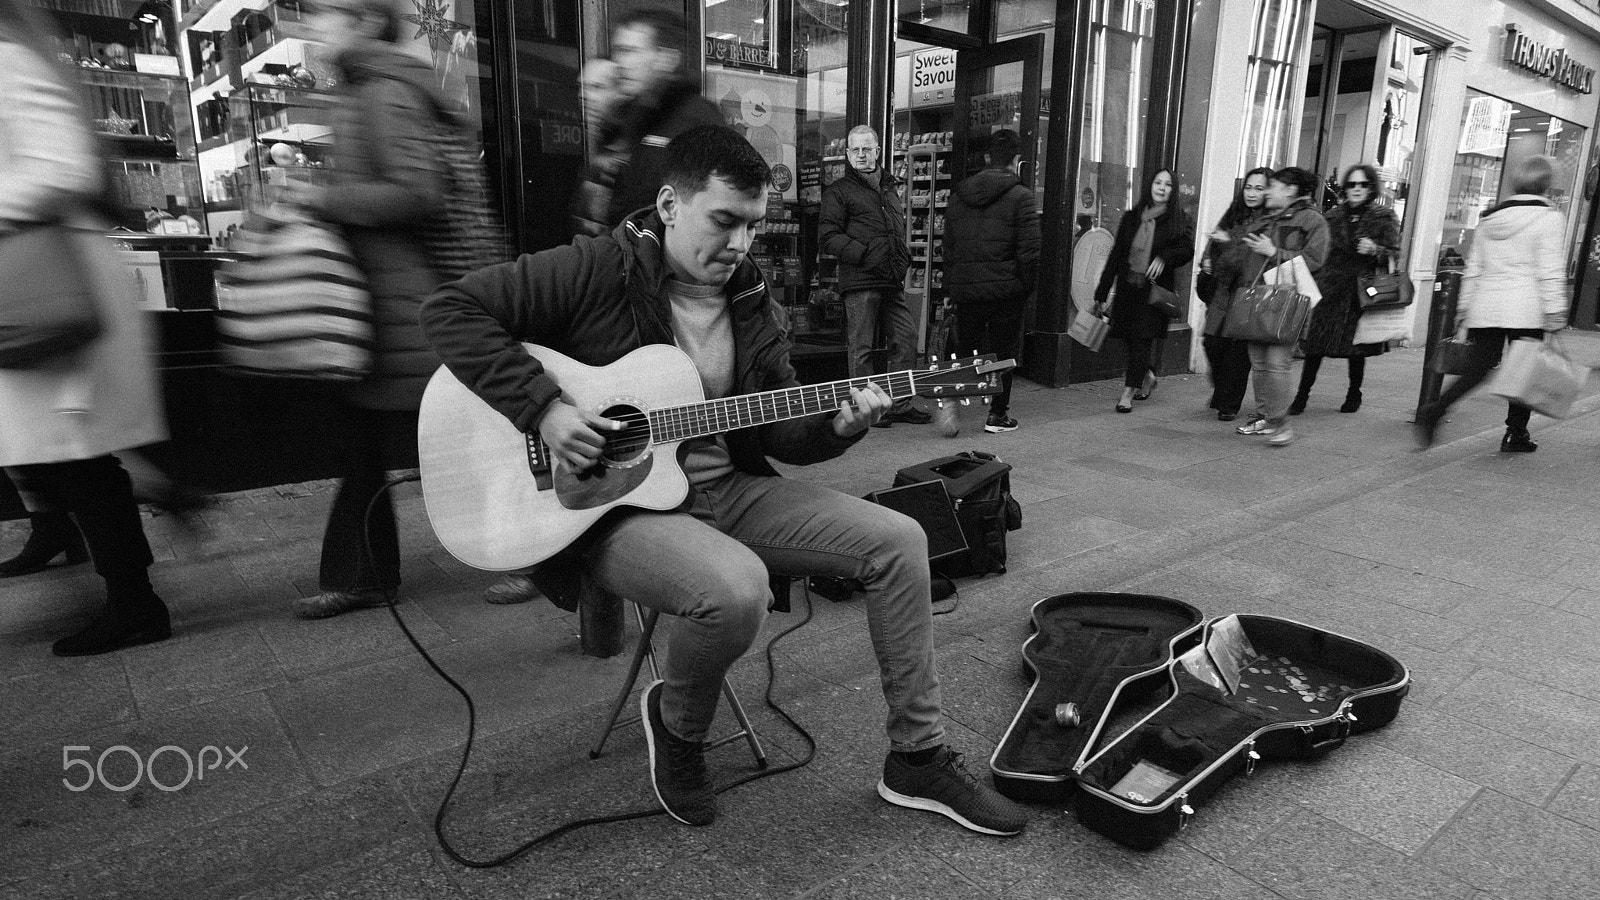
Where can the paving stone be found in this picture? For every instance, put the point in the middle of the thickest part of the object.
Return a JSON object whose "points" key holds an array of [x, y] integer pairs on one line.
{"points": [[1579, 798], [198, 668], [1104, 869], [1502, 845], [62, 699], [1476, 754], [901, 872], [706, 875], [1564, 723], [1309, 857], [402, 870]]}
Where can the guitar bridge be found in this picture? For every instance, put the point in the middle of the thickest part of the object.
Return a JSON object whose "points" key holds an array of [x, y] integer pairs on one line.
{"points": [[538, 460]]}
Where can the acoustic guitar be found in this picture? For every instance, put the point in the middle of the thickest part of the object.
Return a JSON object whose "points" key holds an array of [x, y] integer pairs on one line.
{"points": [[498, 501]]}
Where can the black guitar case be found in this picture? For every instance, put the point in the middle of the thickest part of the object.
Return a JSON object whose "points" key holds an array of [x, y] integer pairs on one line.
{"points": [[1118, 725]]}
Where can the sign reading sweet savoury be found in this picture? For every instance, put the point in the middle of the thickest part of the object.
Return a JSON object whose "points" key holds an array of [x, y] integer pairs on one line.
{"points": [[1552, 63]]}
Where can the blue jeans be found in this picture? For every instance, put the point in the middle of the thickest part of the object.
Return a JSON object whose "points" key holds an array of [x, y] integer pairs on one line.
{"points": [[865, 313], [708, 565], [1269, 372]]}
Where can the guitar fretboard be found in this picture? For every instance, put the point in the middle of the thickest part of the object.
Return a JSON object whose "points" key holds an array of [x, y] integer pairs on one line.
{"points": [[676, 423]]}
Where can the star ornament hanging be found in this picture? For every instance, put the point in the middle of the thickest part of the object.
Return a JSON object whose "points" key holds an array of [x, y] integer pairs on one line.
{"points": [[433, 19]]}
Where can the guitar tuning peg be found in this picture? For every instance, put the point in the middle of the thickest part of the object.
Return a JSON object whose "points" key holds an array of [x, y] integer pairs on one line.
{"points": [[952, 356], [985, 399], [940, 404], [966, 401]]}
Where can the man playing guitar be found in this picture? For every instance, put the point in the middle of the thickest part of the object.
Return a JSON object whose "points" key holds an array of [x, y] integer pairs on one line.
{"points": [[678, 274]]}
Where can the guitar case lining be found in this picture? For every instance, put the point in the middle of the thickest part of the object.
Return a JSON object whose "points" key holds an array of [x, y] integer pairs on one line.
{"points": [[1162, 740]]}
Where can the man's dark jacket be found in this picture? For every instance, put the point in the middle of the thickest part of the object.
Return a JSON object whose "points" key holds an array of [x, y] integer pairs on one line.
{"points": [[991, 239], [595, 300], [647, 128], [864, 225]]}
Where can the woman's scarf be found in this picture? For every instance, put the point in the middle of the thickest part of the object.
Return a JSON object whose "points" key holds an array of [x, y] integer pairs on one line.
{"points": [[1144, 241]]}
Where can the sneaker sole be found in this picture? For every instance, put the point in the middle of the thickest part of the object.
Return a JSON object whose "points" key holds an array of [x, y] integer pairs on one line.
{"points": [[999, 429], [923, 803], [650, 742]]}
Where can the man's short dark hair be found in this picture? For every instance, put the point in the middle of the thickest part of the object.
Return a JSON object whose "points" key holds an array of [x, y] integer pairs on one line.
{"points": [[706, 150], [667, 27], [1298, 178], [1004, 146]]}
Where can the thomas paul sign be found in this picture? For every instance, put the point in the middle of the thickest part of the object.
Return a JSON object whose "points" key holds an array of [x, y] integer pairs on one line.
{"points": [[1525, 52]]}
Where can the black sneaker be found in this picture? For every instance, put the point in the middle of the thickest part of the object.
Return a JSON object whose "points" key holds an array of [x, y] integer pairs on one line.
{"points": [[1517, 440], [945, 786], [1000, 424], [677, 766]]}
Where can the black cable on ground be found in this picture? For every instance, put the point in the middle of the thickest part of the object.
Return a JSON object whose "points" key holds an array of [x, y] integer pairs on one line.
{"points": [[472, 725]]}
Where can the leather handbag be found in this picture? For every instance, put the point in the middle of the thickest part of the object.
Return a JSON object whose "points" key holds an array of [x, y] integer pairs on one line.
{"points": [[1384, 290], [1163, 301], [295, 306], [47, 297], [1452, 356], [1268, 313]]}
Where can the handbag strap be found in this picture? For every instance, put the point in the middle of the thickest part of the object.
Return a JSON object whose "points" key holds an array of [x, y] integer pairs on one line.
{"points": [[1261, 273]]}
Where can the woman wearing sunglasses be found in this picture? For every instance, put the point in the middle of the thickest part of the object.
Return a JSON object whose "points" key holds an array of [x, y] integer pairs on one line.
{"points": [[1363, 236]]}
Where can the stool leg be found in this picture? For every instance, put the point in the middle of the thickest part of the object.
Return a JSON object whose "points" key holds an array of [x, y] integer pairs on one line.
{"points": [[647, 627], [744, 724]]}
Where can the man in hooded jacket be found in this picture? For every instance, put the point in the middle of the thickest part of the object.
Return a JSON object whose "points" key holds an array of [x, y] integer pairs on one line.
{"points": [[991, 258]]}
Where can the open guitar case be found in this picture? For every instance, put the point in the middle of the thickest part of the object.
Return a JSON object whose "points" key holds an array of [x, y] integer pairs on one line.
{"points": [[1118, 726]]}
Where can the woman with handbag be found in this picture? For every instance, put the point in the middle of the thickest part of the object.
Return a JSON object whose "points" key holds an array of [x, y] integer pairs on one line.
{"points": [[1154, 241], [66, 412], [386, 183], [1514, 286], [1219, 277], [1292, 229], [1363, 237]]}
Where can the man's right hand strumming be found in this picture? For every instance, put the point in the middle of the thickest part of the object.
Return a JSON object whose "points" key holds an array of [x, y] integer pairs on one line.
{"points": [[575, 438]]}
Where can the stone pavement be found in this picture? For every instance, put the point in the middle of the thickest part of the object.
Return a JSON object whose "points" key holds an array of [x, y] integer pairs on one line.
{"points": [[1478, 570]]}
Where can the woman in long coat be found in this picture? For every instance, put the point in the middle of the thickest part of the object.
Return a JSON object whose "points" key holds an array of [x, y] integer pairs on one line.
{"points": [[1230, 358], [387, 181], [1363, 236], [1154, 240], [61, 420]]}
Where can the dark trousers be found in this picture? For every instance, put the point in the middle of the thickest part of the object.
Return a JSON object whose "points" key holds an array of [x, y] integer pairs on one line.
{"points": [[363, 467], [1230, 371], [99, 495], [1142, 359], [1487, 346], [991, 328], [1313, 364]]}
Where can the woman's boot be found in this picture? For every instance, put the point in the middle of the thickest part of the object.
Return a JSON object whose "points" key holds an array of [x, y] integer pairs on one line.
{"points": [[1358, 374], [1308, 377], [1517, 440], [53, 534]]}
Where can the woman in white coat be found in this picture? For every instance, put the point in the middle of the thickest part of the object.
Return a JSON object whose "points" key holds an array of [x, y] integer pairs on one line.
{"points": [[65, 417], [1515, 286]]}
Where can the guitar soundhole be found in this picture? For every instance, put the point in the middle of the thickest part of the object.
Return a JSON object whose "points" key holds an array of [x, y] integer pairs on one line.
{"points": [[631, 444]]}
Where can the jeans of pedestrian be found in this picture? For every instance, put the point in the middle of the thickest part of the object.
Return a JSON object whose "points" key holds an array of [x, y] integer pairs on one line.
{"points": [[708, 564], [991, 328], [363, 466], [1269, 370], [1230, 371], [869, 312], [1487, 346], [1141, 360]]}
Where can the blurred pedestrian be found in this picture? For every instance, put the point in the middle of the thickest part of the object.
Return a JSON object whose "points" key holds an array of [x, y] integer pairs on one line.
{"points": [[1363, 236], [1515, 286], [386, 180], [1293, 228], [63, 418], [991, 252], [1224, 257], [1154, 241], [51, 535]]}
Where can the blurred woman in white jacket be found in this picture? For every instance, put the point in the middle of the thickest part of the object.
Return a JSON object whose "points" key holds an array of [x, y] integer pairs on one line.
{"points": [[1515, 286], [62, 419]]}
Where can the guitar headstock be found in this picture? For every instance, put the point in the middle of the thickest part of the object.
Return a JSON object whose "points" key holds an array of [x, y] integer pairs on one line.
{"points": [[974, 376]]}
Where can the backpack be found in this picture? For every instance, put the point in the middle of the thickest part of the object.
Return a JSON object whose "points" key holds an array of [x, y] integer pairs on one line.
{"points": [[979, 485]]}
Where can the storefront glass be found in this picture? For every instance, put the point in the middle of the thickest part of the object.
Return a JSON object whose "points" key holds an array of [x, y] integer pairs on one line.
{"points": [[1120, 47], [951, 15], [1496, 135], [1270, 116]]}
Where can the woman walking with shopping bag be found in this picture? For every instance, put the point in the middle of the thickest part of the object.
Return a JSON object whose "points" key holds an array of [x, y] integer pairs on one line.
{"points": [[1154, 241], [1515, 286], [1220, 270], [1363, 236]]}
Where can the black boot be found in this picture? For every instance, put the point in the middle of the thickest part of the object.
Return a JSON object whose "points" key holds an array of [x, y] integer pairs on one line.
{"points": [[53, 535], [1517, 440], [1300, 399], [1308, 377], [133, 615], [1352, 401]]}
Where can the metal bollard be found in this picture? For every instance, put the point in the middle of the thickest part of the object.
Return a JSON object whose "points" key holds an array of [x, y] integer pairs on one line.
{"points": [[1441, 322]]}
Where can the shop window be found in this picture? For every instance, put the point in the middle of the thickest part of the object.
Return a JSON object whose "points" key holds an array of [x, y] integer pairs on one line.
{"points": [[1270, 118], [950, 15], [1120, 46], [1497, 135]]}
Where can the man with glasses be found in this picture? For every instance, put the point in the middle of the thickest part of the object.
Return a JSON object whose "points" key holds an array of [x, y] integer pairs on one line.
{"points": [[863, 224]]}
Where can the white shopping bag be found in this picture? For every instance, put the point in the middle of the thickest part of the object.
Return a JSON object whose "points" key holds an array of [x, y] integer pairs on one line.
{"points": [[1089, 329], [1538, 375], [1300, 275], [1381, 326]]}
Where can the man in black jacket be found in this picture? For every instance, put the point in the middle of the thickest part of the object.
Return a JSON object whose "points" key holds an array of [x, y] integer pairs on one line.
{"points": [[679, 274], [862, 223], [991, 257], [658, 101]]}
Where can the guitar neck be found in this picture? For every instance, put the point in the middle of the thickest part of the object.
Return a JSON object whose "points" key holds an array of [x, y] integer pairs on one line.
{"points": [[693, 420]]}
